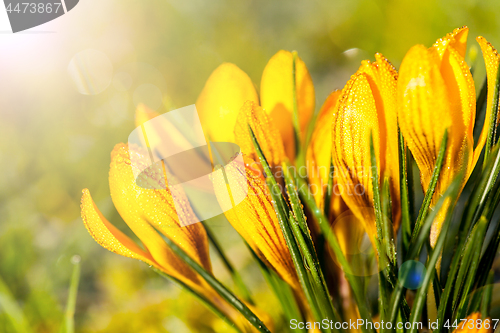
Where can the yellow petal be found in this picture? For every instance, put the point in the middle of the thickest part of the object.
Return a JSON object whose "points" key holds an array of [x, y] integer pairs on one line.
{"points": [[424, 111], [354, 119], [435, 94], [145, 210], [254, 218], [266, 133], [220, 100], [319, 152], [491, 60], [462, 97], [276, 93], [382, 77], [461, 90], [470, 324], [107, 235], [456, 39]]}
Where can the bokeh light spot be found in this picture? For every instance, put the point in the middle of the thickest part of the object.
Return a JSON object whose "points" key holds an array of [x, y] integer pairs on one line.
{"points": [[411, 274]]}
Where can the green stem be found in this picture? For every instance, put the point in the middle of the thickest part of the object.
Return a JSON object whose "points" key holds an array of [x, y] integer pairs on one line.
{"points": [[304, 240]]}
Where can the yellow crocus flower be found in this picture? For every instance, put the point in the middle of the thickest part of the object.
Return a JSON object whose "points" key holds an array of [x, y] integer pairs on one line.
{"points": [[149, 212], [436, 93], [254, 218], [366, 105], [228, 88]]}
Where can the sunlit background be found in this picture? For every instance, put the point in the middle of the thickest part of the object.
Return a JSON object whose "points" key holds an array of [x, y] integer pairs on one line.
{"points": [[68, 91]]}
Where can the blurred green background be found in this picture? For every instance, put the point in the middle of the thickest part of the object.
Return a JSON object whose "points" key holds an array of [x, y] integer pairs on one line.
{"points": [[57, 128]]}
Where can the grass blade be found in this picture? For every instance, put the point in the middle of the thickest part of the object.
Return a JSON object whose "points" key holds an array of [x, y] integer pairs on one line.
{"points": [[474, 210], [385, 237], [432, 185], [283, 219], [69, 316], [492, 130], [406, 204], [9, 306], [201, 298], [281, 289], [359, 293], [420, 298], [218, 287], [304, 240], [417, 243], [477, 238], [236, 277]]}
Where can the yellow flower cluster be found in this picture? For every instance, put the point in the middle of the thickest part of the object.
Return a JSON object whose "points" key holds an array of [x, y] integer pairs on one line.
{"points": [[432, 92]]}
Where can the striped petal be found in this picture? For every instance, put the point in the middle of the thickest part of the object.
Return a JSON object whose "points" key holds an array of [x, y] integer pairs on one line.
{"points": [[253, 116], [354, 119], [107, 235], [254, 218], [276, 93], [436, 92], [367, 106], [424, 111], [225, 92], [491, 60], [147, 210], [382, 77]]}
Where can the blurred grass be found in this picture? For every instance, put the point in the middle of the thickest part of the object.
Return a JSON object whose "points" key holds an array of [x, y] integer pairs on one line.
{"points": [[55, 141]]}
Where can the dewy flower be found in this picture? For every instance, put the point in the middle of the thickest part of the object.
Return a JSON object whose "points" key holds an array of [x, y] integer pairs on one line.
{"points": [[151, 215], [367, 105], [254, 218], [436, 93], [228, 88], [147, 212]]}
